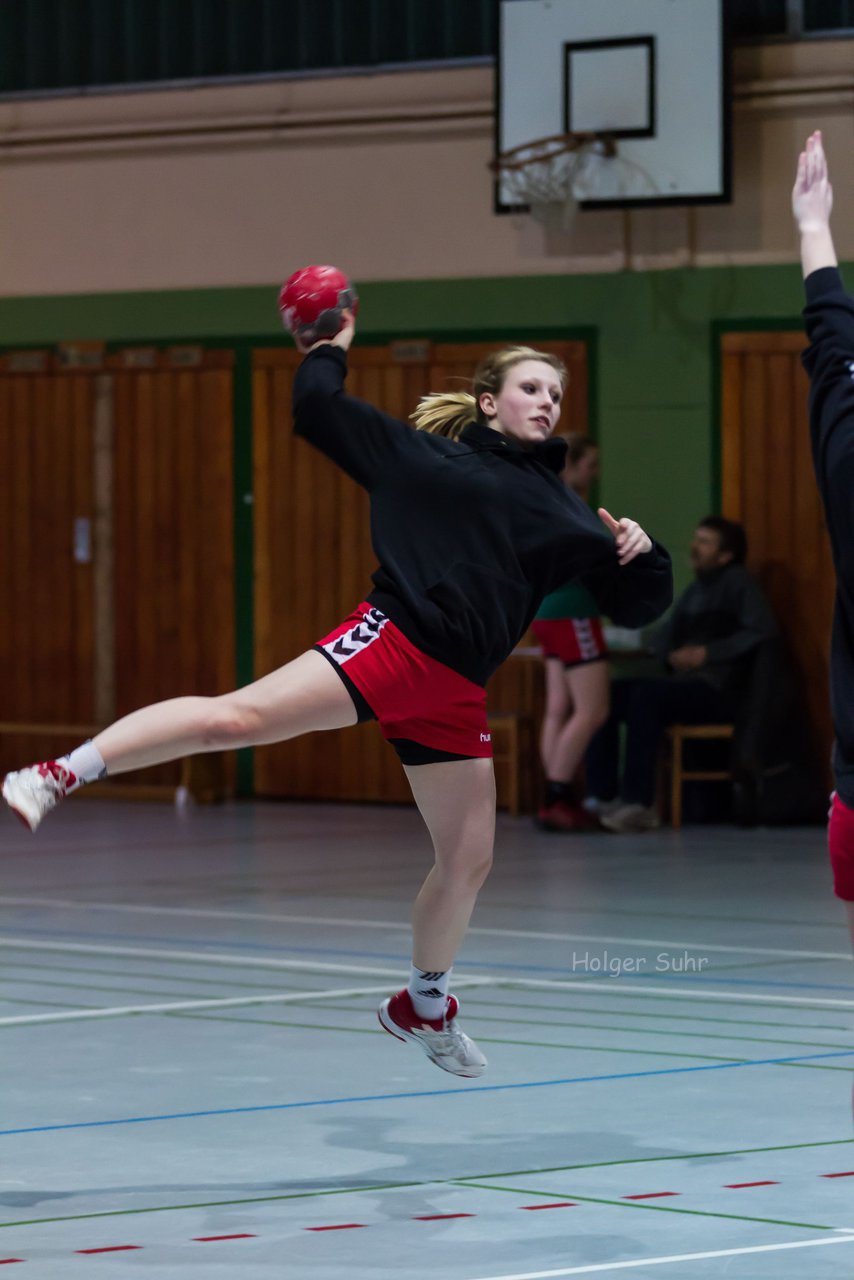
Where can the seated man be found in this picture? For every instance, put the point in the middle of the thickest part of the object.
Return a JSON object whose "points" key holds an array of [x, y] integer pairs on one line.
{"points": [[706, 645]]}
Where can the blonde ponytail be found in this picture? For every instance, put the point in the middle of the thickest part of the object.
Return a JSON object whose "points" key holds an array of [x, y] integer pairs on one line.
{"points": [[445, 413]]}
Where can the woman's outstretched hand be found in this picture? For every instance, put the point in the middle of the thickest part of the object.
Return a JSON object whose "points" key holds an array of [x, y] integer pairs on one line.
{"points": [[812, 195], [629, 536]]}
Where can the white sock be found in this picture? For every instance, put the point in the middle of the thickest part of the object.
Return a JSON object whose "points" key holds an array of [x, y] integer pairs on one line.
{"points": [[86, 763], [428, 991]]}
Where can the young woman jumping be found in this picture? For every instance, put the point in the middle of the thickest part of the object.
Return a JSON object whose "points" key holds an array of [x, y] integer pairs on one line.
{"points": [[471, 526]]}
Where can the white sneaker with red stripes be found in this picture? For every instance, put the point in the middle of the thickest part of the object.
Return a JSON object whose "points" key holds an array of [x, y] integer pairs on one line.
{"points": [[442, 1040], [32, 792]]}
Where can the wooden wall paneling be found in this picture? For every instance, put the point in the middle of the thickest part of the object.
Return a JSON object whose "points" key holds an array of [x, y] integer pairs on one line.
{"points": [[189, 446], [772, 490], [8, 484], [16, 480], [45, 659], [125, 542], [141, 683], [754, 443], [174, 536], [215, 537], [20, 688], [58, 703], [731, 436], [97, 482], [44, 532], [778, 567]]}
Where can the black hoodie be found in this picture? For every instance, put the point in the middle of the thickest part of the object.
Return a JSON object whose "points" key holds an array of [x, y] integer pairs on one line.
{"points": [[829, 361], [470, 534]]}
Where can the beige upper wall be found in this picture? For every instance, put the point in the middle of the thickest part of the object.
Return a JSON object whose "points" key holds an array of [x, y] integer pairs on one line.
{"points": [[385, 175]]}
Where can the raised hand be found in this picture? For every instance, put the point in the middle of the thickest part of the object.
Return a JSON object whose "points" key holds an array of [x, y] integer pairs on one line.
{"points": [[629, 536], [812, 195], [342, 338]]}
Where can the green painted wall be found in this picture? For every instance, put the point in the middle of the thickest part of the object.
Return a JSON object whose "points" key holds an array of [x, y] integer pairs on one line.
{"points": [[655, 378]]}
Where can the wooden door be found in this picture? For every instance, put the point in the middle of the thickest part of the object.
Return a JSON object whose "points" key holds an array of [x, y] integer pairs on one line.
{"points": [[46, 594], [768, 484], [173, 530], [116, 504], [313, 556]]}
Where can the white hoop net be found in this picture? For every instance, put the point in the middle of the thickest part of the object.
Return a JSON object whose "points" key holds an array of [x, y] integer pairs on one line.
{"points": [[553, 175]]}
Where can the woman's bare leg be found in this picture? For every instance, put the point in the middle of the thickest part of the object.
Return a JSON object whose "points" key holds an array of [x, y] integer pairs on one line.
{"points": [[556, 712], [457, 802], [303, 696], [589, 692]]}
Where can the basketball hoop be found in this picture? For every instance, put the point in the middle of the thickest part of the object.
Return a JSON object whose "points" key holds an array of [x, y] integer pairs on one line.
{"points": [[552, 175]]}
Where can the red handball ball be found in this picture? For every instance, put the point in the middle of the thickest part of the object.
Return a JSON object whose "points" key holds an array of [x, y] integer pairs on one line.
{"points": [[312, 303]]}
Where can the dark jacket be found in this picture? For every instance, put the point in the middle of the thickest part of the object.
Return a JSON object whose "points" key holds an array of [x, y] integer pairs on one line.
{"points": [[829, 361], [726, 612], [469, 534]]}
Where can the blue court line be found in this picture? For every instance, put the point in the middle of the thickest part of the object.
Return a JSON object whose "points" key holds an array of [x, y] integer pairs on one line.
{"points": [[424, 1093], [405, 960]]}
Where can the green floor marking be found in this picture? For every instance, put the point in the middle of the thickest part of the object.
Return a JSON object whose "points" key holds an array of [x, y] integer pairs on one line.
{"points": [[655, 1208], [94, 986], [597, 1026], [687, 1155], [216, 1204], [158, 977], [471, 998], [694, 996], [525, 1044]]}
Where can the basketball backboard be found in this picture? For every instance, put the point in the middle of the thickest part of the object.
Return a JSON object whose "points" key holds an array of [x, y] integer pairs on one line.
{"points": [[651, 74]]}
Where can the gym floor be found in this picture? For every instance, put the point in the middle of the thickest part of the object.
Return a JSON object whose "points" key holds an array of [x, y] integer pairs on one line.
{"points": [[193, 1073]]}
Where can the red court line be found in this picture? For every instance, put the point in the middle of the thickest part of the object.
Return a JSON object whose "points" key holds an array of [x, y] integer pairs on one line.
{"points": [[849, 1174], [342, 1226], [112, 1248], [559, 1204], [241, 1235], [440, 1217], [736, 1186], [652, 1195], [3, 1261]]}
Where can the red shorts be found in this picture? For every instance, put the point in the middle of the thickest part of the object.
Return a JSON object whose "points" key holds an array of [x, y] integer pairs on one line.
{"points": [[573, 640], [840, 845], [427, 711]]}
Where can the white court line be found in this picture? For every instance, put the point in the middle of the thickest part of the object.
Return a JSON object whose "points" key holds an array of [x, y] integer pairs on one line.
{"points": [[675, 1257], [119, 1011], [609, 985], [207, 957], [210, 913], [693, 994]]}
